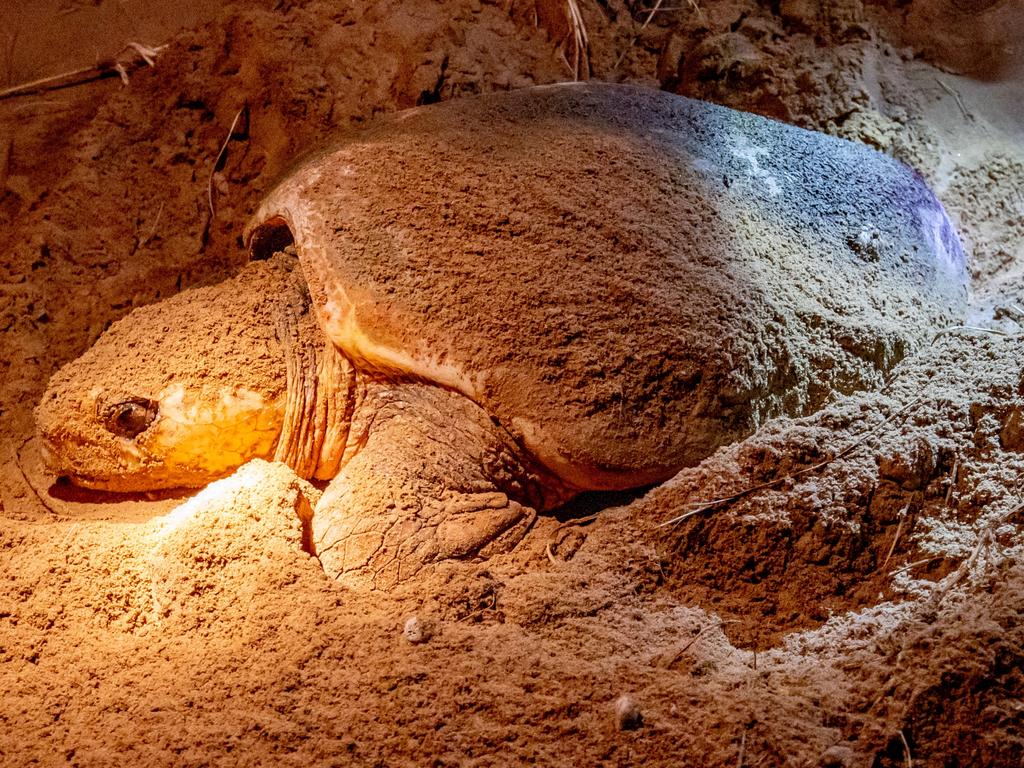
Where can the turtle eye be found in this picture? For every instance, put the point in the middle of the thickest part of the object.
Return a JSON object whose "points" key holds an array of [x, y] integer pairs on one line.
{"points": [[130, 418]]}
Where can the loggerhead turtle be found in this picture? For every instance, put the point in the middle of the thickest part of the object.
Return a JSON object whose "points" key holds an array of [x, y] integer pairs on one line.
{"points": [[504, 300]]}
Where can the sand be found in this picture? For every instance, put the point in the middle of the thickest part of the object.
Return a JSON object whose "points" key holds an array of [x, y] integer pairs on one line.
{"points": [[866, 612]]}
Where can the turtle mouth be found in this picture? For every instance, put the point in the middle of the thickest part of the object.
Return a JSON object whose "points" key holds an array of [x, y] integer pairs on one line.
{"points": [[50, 475], [75, 474], [84, 491]]}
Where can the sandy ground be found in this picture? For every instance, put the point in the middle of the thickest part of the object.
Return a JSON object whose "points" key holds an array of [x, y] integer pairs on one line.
{"points": [[860, 608]]}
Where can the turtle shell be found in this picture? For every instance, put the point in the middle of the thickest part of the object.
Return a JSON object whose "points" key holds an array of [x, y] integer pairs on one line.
{"points": [[624, 279]]}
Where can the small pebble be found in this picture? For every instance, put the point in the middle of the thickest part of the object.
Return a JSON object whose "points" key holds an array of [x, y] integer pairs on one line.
{"points": [[838, 756], [416, 631], [627, 714]]}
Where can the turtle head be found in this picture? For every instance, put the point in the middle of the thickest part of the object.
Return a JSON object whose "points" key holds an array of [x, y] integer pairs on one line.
{"points": [[180, 392]]}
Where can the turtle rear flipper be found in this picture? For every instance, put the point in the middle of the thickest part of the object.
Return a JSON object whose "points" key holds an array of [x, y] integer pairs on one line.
{"points": [[432, 478]]}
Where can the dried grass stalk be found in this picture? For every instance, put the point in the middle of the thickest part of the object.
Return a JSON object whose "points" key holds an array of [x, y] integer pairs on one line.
{"points": [[120, 65], [564, 23]]}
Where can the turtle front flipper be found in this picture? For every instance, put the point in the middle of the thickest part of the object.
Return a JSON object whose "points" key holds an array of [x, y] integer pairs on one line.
{"points": [[428, 477]]}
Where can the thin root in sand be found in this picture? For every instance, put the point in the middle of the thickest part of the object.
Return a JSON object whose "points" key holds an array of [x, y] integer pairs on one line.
{"points": [[555, 541], [895, 540], [903, 515], [650, 15], [674, 659], [551, 555], [908, 760], [218, 163], [916, 563]]}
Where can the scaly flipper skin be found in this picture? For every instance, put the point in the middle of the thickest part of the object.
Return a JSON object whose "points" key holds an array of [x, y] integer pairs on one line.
{"points": [[431, 477]]}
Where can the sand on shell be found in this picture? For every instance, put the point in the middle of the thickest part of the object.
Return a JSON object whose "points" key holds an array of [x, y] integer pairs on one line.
{"points": [[624, 279], [866, 613]]}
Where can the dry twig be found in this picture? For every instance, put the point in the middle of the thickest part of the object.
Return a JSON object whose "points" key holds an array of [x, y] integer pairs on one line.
{"points": [[952, 482], [959, 101], [973, 329], [895, 539], [986, 538], [108, 68], [911, 566], [551, 555], [581, 42], [651, 12], [156, 223]]}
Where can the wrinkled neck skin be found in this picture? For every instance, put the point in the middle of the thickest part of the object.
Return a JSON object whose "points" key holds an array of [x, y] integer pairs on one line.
{"points": [[331, 412], [321, 397]]}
